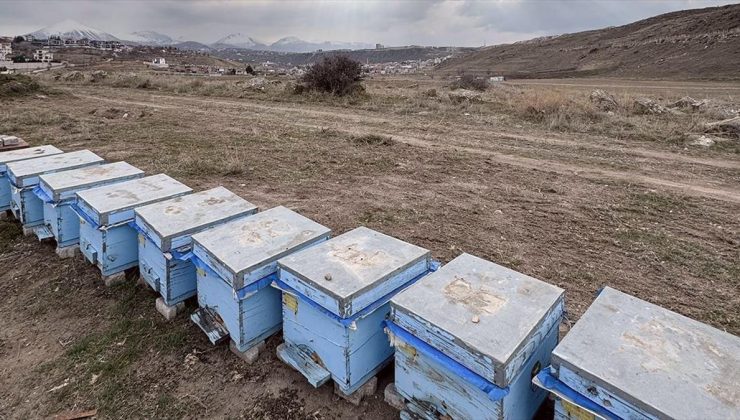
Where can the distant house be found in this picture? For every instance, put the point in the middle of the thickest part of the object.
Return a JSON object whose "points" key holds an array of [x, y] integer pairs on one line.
{"points": [[6, 49], [159, 62], [84, 42], [55, 41], [43, 55], [496, 79]]}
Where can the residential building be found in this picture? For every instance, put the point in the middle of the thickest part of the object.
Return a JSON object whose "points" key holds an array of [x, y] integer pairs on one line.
{"points": [[6, 49], [44, 55]]}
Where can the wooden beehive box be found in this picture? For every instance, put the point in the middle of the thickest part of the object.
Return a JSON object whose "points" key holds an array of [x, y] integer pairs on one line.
{"points": [[627, 358], [106, 238], [335, 298], [236, 263], [57, 191], [470, 336], [15, 156], [24, 177], [165, 230]]}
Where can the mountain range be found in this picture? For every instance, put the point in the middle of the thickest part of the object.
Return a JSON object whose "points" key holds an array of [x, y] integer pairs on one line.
{"points": [[70, 29]]}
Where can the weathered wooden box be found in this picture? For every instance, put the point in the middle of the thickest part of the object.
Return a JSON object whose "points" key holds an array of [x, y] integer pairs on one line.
{"points": [[627, 358], [16, 156], [24, 177], [335, 298], [165, 231], [57, 191], [106, 238], [236, 263], [470, 337]]}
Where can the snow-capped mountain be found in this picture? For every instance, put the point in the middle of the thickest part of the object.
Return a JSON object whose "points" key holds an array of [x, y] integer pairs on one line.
{"points": [[149, 38], [294, 44], [239, 40], [70, 29]]}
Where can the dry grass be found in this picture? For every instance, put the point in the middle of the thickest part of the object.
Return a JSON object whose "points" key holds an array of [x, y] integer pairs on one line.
{"points": [[552, 109]]}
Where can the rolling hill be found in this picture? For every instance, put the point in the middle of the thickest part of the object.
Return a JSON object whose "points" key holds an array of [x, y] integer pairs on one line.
{"points": [[689, 44]]}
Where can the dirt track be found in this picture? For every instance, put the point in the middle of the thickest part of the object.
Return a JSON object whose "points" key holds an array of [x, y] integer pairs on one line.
{"points": [[580, 211], [354, 123]]}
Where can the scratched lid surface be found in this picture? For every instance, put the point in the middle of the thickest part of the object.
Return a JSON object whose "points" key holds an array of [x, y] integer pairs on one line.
{"points": [[353, 262], [129, 194], [185, 214], [29, 153], [667, 364], [59, 182], [31, 168], [248, 243], [488, 308]]}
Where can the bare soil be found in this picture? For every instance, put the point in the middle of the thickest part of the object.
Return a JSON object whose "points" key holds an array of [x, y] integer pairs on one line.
{"points": [[652, 217]]}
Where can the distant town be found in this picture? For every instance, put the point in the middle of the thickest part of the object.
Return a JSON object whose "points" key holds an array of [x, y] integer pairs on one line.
{"points": [[29, 53]]}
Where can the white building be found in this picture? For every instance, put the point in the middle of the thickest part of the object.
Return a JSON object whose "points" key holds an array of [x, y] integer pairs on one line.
{"points": [[159, 62], [6, 50], [44, 56]]}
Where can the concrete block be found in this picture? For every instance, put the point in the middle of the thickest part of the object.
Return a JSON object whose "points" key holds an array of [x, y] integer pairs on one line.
{"points": [[393, 398], [115, 279], [68, 251], [169, 312], [367, 389], [250, 355], [28, 231]]}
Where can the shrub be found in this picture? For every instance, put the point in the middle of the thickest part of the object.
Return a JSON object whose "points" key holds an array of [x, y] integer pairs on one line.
{"points": [[338, 75], [17, 85], [468, 81], [249, 69]]}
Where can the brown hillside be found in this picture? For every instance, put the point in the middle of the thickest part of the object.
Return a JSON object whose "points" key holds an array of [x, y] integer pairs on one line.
{"points": [[690, 44]]}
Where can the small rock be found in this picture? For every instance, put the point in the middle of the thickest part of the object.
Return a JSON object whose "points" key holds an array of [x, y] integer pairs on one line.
{"points": [[603, 101], [728, 126], [465, 95], [327, 277], [703, 141], [648, 106], [687, 102], [476, 319]]}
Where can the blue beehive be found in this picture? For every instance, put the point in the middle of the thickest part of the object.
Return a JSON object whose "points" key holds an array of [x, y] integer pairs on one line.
{"points": [[627, 358], [15, 156], [165, 229], [58, 191], [470, 337], [106, 238], [24, 177], [335, 298], [237, 262]]}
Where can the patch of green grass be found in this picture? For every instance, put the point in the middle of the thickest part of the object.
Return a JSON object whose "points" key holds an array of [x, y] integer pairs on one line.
{"points": [[112, 354]]}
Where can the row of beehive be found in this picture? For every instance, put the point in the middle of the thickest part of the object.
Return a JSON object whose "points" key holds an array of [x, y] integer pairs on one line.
{"points": [[471, 340]]}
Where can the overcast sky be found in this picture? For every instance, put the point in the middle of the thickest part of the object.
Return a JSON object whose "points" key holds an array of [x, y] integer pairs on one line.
{"points": [[460, 23]]}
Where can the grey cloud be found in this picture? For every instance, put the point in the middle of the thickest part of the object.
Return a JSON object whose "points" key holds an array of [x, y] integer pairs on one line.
{"points": [[439, 22]]}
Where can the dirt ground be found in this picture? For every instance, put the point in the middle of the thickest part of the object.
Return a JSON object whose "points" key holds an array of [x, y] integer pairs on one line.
{"points": [[652, 217]]}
